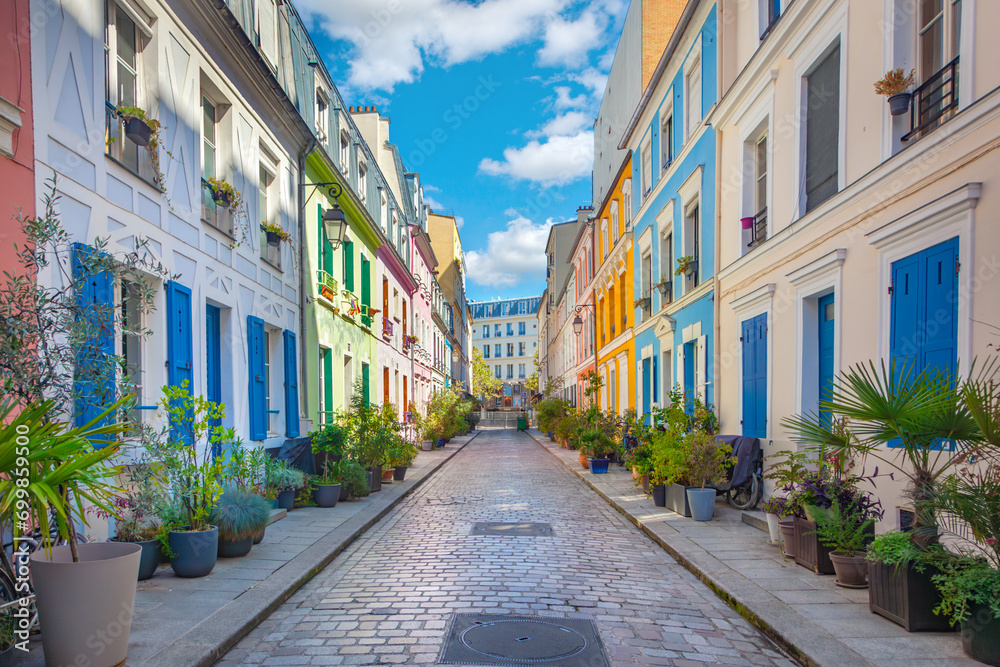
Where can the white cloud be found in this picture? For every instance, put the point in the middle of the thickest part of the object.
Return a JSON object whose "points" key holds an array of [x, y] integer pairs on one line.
{"points": [[433, 203], [513, 256], [568, 42], [391, 40], [568, 123], [459, 221], [565, 100], [593, 80], [557, 161]]}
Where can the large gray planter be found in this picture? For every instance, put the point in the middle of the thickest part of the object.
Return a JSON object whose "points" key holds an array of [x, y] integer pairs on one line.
{"points": [[150, 559], [194, 554], [702, 502], [677, 498], [326, 495], [235, 548], [85, 608]]}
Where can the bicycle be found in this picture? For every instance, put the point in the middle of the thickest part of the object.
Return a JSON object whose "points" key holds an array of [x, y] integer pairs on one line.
{"points": [[745, 492]]}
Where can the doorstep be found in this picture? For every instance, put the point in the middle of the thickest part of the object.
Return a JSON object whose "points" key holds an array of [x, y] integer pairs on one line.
{"points": [[818, 622], [195, 621]]}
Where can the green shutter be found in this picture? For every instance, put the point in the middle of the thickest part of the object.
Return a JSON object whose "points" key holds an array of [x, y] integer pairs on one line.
{"points": [[366, 289], [348, 265], [364, 385], [328, 382]]}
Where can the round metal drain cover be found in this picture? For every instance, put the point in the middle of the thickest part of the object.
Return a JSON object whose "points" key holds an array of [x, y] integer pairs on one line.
{"points": [[525, 641]]}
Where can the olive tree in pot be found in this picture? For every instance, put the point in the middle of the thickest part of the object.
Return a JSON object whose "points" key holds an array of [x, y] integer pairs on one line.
{"points": [[239, 515], [82, 591], [188, 456], [707, 460], [136, 508]]}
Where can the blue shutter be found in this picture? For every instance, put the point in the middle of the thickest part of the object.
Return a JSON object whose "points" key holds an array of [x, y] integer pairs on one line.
{"points": [[94, 384], [924, 313], [213, 362], [646, 385], [291, 386], [754, 348], [180, 357], [255, 369], [825, 305]]}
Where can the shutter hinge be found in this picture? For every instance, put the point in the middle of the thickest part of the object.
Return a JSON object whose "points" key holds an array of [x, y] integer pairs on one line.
{"points": [[890, 290], [958, 266], [741, 339]]}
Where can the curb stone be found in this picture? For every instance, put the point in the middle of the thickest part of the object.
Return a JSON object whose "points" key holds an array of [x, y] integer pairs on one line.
{"points": [[208, 641], [806, 641]]}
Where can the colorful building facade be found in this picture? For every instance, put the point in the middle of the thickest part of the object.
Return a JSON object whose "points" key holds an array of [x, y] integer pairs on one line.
{"points": [[17, 156], [506, 332]]}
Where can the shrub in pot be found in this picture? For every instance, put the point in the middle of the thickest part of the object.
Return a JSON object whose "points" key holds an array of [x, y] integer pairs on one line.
{"points": [[284, 481], [707, 461], [328, 443], [80, 589], [240, 515], [400, 455], [327, 491], [846, 528], [185, 455], [900, 587], [354, 480]]}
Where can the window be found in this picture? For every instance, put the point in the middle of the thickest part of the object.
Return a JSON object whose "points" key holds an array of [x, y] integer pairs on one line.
{"points": [[212, 212], [938, 35], [123, 53], [362, 181], [611, 309], [667, 139], [604, 236], [822, 131], [498, 350], [757, 232], [510, 328], [510, 371], [209, 158], [647, 169], [692, 96], [267, 377], [322, 116], [770, 10], [496, 330], [521, 329], [267, 31], [131, 345], [510, 349], [614, 221], [692, 245], [622, 292], [667, 266], [521, 372], [345, 153], [496, 371], [269, 250], [646, 277], [520, 349], [383, 211], [486, 351], [486, 331]]}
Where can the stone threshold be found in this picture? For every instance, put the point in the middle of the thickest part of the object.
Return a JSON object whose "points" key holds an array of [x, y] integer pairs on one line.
{"points": [[808, 615]]}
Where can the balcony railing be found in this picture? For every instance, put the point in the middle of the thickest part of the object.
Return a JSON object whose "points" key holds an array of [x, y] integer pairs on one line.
{"points": [[326, 285], [758, 233], [934, 101], [387, 327]]}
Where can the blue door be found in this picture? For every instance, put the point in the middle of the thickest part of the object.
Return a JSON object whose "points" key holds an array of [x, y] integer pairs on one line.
{"points": [[180, 355], [826, 314], [94, 383], [256, 371], [924, 313], [291, 386], [754, 347], [213, 363]]}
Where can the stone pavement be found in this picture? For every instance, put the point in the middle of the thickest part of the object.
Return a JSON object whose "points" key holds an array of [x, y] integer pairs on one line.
{"points": [[813, 618], [388, 598], [191, 622]]}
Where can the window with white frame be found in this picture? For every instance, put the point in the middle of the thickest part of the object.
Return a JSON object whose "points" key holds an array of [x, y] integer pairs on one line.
{"points": [[822, 130], [209, 135], [362, 181], [270, 245], [131, 344], [692, 245], [692, 95], [615, 232], [768, 13], [267, 31], [939, 28], [755, 198], [604, 236], [647, 169], [666, 137], [345, 153], [383, 211], [322, 115], [125, 39], [627, 203]]}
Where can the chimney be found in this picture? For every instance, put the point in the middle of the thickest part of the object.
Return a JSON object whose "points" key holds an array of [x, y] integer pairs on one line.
{"points": [[583, 213]]}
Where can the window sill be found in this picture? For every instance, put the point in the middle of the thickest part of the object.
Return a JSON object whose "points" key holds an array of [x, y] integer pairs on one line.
{"points": [[134, 173], [276, 267]]}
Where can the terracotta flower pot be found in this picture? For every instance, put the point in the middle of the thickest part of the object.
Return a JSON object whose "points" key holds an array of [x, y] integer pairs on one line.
{"points": [[583, 461]]}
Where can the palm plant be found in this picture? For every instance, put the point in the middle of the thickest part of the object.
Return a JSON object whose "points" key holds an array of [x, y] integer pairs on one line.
{"points": [[919, 424]]}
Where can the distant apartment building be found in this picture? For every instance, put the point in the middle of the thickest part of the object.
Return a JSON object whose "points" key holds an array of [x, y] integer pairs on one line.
{"points": [[506, 332]]}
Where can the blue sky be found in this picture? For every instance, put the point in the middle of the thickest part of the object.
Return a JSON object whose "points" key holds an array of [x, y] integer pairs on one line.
{"points": [[492, 102]]}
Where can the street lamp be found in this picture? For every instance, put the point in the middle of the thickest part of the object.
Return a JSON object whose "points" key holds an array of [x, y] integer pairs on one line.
{"points": [[334, 220], [577, 325]]}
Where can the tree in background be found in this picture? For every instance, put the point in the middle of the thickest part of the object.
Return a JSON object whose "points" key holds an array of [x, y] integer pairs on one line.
{"points": [[483, 380]]}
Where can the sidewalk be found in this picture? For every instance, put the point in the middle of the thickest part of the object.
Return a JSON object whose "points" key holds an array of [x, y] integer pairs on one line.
{"points": [[817, 621], [195, 621]]}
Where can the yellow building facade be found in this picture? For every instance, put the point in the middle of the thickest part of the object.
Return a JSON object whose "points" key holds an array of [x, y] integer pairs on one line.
{"points": [[614, 299]]}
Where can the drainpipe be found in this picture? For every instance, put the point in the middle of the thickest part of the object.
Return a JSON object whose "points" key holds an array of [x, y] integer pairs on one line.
{"points": [[303, 334], [718, 262]]}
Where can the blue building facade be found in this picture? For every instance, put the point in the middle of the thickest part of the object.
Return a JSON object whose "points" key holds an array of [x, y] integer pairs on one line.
{"points": [[674, 169]]}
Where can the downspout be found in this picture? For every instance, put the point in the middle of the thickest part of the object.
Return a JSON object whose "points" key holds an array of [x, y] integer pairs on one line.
{"points": [[303, 334], [717, 328]]}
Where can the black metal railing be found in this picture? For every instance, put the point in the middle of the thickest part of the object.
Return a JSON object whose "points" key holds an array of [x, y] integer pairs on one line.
{"points": [[758, 233], [934, 101]]}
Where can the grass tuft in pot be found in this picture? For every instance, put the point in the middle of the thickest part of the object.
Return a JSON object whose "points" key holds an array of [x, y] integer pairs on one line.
{"points": [[240, 514]]}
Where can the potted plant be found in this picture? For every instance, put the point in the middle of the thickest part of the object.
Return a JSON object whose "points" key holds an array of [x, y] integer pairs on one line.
{"points": [[846, 528], [643, 302], [224, 194], [900, 584], [135, 511], [686, 265], [240, 515], [328, 443], [284, 481], [354, 480], [707, 461], [79, 588], [400, 456], [895, 85], [275, 234], [664, 285], [145, 132], [328, 487], [775, 509], [184, 455], [596, 445]]}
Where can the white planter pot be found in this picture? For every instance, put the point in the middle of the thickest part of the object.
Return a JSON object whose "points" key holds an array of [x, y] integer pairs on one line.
{"points": [[772, 528], [85, 608]]}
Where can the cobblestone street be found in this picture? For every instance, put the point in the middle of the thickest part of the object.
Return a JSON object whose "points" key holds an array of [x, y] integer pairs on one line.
{"points": [[390, 597]]}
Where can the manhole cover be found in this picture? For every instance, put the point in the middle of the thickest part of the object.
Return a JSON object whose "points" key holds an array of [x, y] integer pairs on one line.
{"points": [[515, 528], [522, 640]]}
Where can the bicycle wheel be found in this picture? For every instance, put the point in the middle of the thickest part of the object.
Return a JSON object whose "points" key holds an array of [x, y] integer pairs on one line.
{"points": [[746, 496]]}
